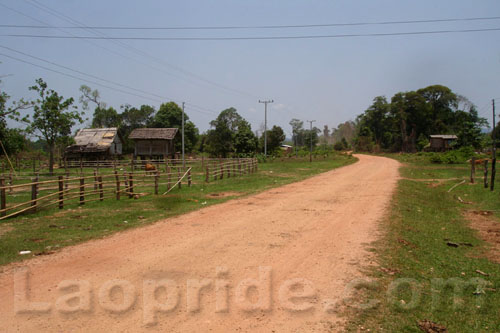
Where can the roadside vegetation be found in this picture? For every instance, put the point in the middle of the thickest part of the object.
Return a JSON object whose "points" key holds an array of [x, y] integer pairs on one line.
{"points": [[47, 231], [436, 239]]}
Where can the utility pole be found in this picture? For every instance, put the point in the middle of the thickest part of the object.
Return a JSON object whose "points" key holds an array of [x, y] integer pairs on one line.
{"points": [[265, 124], [183, 160], [311, 138], [494, 151]]}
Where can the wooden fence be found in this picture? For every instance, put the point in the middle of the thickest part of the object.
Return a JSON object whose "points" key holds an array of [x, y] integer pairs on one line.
{"points": [[79, 167], [231, 168], [65, 190]]}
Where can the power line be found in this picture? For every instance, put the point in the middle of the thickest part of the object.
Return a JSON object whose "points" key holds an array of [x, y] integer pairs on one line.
{"points": [[76, 77], [83, 73], [244, 27], [410, 33], [130, 48]]}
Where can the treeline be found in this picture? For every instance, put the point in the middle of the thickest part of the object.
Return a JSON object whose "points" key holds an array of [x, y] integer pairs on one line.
{"points": [[406, 122], [53, 118]]}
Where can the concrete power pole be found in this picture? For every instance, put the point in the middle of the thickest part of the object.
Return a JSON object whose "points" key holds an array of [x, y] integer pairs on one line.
{"points": [[183, 160], [265, 124], [311, 138], [494, 151]]}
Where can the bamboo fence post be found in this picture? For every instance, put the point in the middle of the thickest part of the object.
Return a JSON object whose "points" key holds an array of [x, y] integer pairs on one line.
{"points": [[82, 191], [3, 198], [81, 165], [131, 185], [472, 169], [117, 185], [95, 180], [485, 173], [179, 177], [156, 182], [189, 177], [202, 162], [256, 165], [34, 194], [61, 192], [125, 180], [221, 170], [101, 191], [10, 182], [207, 175], [169, 177]]}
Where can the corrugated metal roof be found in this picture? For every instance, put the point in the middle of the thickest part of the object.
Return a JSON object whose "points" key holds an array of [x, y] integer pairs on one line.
{"points": [[153, 133], [94, 139], [444, 136]]}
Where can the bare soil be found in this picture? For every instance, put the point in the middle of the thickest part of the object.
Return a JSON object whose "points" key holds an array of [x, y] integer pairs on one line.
{"points": [[316, 231], [488, 227]]}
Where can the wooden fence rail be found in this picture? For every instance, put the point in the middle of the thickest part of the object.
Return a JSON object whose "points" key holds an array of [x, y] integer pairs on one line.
{"points": [[32, 196], [230, 169]]}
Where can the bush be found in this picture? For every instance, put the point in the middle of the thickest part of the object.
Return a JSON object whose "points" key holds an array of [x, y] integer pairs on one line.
{"points": [[461, 155]]}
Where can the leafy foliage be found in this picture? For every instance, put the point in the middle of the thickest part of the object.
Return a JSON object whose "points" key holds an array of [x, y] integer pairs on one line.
{"points": [[230, 134], [170, 116], [411, 117], [52, 118]]}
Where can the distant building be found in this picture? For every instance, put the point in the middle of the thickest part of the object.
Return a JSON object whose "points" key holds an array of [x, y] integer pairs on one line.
{"points": [[286, 148], [154, 142], [442, 142], [95, 143]]}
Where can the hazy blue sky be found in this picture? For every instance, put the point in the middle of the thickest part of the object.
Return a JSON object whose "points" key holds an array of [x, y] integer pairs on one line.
{"points": [[329, 80]]}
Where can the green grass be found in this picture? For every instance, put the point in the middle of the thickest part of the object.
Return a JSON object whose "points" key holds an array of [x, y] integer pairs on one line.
{"points": [[52, 229], [424, 216]]}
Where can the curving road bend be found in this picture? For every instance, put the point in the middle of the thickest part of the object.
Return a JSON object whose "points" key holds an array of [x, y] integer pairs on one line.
{"points": [[278, 261]]}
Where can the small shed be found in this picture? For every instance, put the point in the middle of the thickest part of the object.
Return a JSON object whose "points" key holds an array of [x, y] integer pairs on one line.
{"points": [[150, 142], [442, 142], [95, 143]]}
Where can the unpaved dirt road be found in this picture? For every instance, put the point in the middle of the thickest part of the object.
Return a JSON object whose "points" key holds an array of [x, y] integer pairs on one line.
{"points": [[278, 261]]}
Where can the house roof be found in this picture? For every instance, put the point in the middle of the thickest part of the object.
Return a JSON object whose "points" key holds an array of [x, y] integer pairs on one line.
{"points": [[444, 136], [93, 140], [153, 134]]}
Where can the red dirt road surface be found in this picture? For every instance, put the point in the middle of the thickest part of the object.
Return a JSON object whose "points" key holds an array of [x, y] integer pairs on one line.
{"points": [[278, 261]]}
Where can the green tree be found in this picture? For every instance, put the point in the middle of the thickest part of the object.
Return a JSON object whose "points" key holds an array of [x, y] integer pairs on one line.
{"points": [[132, 118], [297, 132], [245, 141], [275, 137], [52, 117], [170, 116], [311, 136], [376, 118], [105, 118], [230, 133]]}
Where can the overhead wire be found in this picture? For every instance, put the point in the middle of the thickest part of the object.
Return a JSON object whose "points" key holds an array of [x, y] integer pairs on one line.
{"points": [[245, 27], [133, 49], [387, 34]]}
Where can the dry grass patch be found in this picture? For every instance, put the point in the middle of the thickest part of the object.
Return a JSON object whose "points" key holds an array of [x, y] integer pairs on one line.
{"points": [[488, 228]]}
